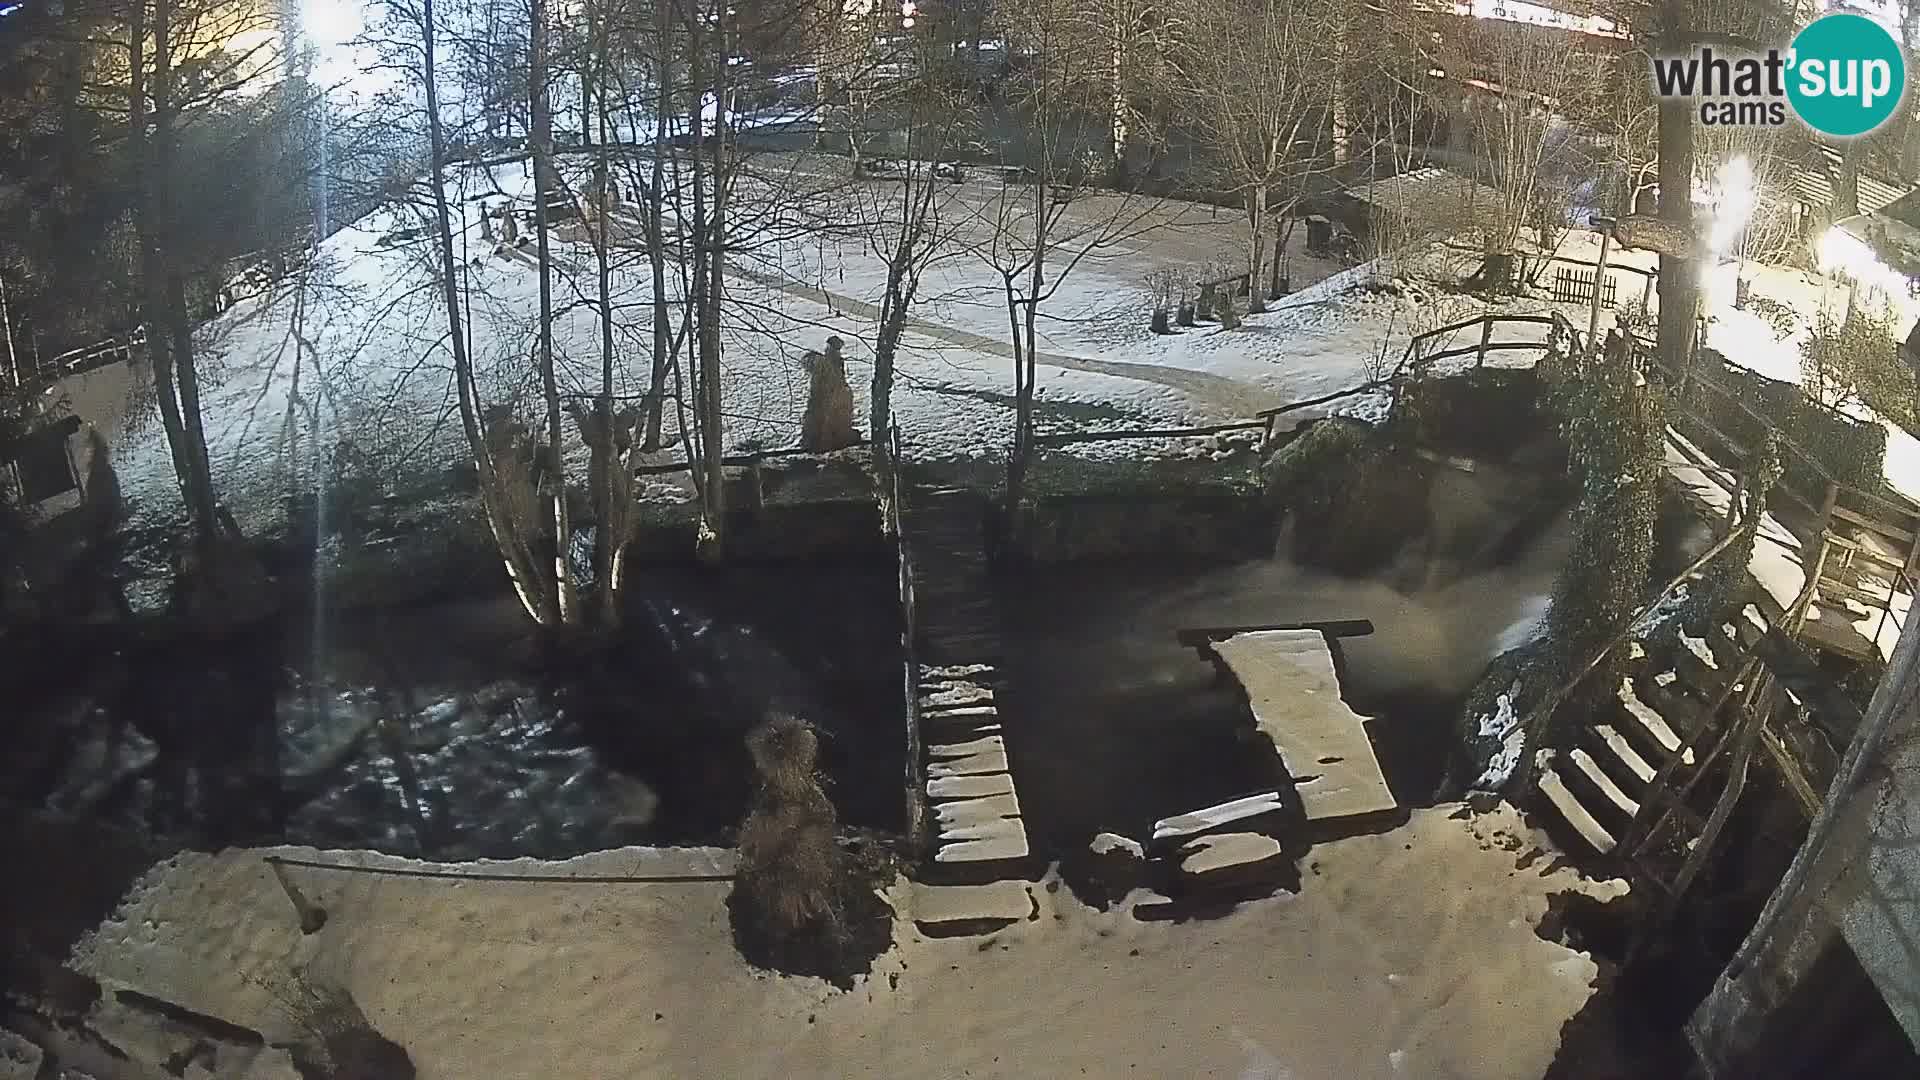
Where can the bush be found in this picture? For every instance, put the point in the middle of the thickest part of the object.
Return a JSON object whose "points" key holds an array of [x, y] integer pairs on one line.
{"points": [[1354, 501], [800, 904], [1615, 434], [1856, 356]]}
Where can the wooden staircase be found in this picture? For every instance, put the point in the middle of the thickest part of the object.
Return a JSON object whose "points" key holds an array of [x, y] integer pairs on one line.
{"points": [[1605, 787]]}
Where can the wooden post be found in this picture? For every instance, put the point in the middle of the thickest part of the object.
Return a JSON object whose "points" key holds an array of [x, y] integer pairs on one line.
{"points": [[1599, 277], [312, 915], [1486, 338], [1827, 502], [756, 486]]}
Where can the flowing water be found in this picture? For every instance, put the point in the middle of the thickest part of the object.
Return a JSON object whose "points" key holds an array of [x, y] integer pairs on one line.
{"points": [[1118, 725]]}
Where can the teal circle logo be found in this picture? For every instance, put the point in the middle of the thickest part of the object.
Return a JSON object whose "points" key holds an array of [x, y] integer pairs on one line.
{"points": [[1846, 75]]}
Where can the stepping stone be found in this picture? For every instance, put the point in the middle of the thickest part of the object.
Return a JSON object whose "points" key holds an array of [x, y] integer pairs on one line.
{"points": [[1226, 851], [971, 695], [969, 787], [1212, 817], [1592, 771], [1563, 800], [1624, 751], [953, 910]]}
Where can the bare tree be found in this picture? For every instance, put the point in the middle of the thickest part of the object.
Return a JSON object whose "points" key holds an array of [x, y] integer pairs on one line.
{"points": [[1034, 234], [1253, 73], [1524, 85]]}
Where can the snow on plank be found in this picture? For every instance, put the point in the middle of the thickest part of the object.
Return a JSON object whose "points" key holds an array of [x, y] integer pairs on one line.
{"points": [[1624, 750], [1224, 851], [1562, 798], [969, 787], [990, 840], [964, 813], [1213, 817], [958, 696], [1295, 695], [1776, 561], [989, 761], [960, 671], [986, 744], [1001, 901], [1591, 769], [1651, 722]]}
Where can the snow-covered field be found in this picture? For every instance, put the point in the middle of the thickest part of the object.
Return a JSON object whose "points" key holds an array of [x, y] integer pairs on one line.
{"points": [[348, 369], [1406, 954]]}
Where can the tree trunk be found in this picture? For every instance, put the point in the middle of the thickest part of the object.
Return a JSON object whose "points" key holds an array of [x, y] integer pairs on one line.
{"points": [[541, 113], [1679, 278], [513, 551], [711, 223], [609, 490], [1846, 188], [656, 228], [166, 317], [1256, 247]]}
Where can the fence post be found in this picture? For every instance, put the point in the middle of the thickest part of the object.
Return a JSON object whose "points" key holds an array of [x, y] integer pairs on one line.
{"points": [[1486, 338]]}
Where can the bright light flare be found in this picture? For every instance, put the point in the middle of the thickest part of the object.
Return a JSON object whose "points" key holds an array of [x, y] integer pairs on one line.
{"points": [[1731, 197], [1842, 254]]}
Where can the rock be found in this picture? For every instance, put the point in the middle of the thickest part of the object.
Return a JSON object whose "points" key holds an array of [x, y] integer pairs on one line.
{"points": [[1112, 867], [19, 1059], [1239, 862]]}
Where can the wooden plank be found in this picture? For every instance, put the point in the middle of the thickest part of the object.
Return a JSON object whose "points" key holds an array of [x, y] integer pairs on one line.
{"points": [[1294, 692], [1063, 438], [1584, 823], [969, 787], [1894, 532], [981, 764], [1592, 771], [986, 744], [1004, 901], [1334, 628], [1624, 751], [1211, 817], [1650, 721]]}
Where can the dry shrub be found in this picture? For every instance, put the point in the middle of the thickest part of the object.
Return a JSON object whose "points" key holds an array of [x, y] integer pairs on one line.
{"points": [[791, 868]]}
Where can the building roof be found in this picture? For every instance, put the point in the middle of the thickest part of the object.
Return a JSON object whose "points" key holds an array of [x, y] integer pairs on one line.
{"points": [[1434, 191]]}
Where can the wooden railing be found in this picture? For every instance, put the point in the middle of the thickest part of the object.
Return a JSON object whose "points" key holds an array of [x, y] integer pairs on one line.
{"points": [[892, 502], [88, 357], [1417, 357]]}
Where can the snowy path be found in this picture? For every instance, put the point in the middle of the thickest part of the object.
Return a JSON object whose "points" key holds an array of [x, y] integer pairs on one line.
{"points": [[1230, 397]]}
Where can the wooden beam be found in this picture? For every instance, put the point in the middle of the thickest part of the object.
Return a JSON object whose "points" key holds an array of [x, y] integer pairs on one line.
{"points": [[1199, 637]]}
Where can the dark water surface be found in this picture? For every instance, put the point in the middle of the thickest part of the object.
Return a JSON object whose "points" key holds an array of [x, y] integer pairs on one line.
{"points": [[442, 731]]}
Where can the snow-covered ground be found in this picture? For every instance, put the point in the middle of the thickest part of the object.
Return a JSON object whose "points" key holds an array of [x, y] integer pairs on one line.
{"points": [[1410, 953], [348, 369]]}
